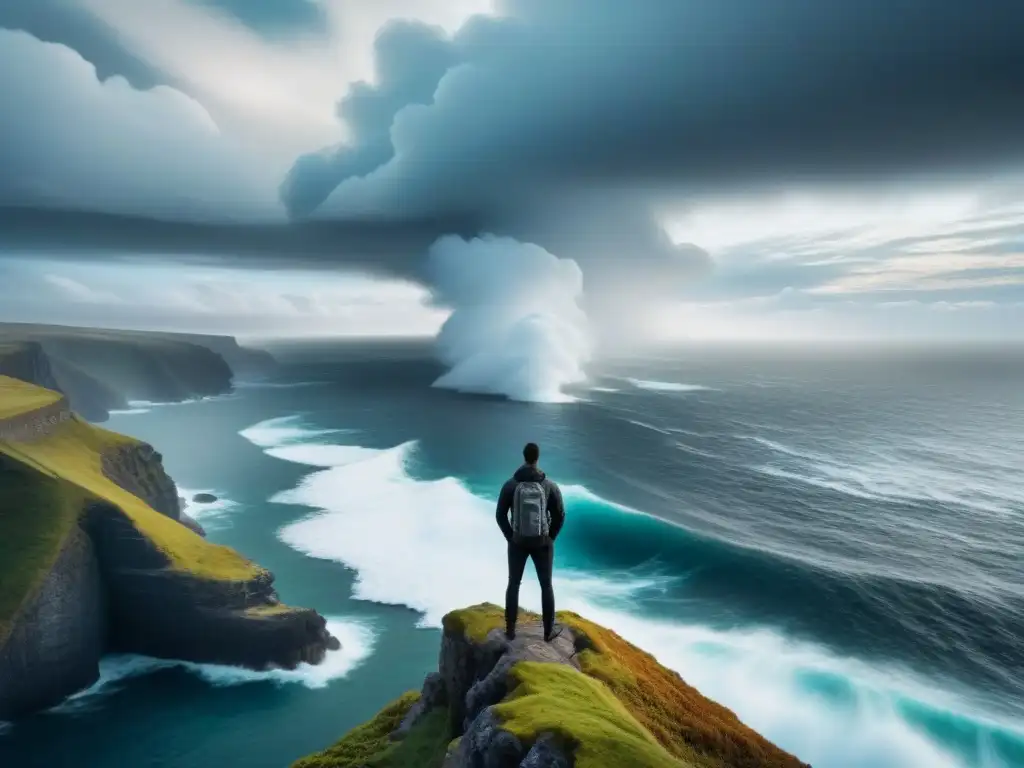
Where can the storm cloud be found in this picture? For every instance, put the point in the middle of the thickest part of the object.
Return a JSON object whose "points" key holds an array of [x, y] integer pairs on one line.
{"points": [[576, 125], [72, 140], [661, 99], [595, 129]]}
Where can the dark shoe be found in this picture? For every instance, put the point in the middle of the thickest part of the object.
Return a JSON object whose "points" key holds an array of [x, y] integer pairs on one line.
{"points": [[510, 634], [552, 634]]}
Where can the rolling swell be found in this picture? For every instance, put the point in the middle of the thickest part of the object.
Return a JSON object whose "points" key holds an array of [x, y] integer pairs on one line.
{"points": [[935, 629]]}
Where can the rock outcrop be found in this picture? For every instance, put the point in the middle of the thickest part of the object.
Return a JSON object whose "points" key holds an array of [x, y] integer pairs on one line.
{"points": [[139, 469], [157, 611], [96, 556], [474, 676], [586, 699], [35, 424]]}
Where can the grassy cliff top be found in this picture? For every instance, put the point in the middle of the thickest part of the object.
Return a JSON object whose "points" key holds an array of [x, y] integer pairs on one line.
{"points": [[17, 397], [626, 709], [45, 485]]}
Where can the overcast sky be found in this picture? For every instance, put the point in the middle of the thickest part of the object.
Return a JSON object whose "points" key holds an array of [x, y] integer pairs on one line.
{"points": [[729, 169]]}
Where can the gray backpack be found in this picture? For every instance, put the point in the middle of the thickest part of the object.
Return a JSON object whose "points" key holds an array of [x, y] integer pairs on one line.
{"points": [[531, 525]]}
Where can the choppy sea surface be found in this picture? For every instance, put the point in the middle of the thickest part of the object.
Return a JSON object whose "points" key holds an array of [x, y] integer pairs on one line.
{"points": [[828, 542]]}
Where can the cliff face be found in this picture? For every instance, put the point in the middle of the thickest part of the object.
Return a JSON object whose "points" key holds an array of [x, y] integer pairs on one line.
{"points": [[139, 469], [55, 646], [246, 362], [161, 612], [95, 556], [101, 370], [25, 360], [587, 699], [90, 397], [143, 369]]}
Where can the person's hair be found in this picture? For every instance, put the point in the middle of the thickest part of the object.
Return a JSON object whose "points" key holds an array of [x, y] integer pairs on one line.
{"points": [[531, 453]]}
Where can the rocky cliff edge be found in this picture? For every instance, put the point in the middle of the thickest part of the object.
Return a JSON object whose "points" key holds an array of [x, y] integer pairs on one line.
{"points": [[588, 699], [95, 556], [101, 370]]}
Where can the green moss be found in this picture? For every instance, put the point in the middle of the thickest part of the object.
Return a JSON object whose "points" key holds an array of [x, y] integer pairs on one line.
{"points": [[477, 620], [369, 745], [275, 609], [424, 747], [38, 513], [17, 397], [581, 714], [364, 742]]}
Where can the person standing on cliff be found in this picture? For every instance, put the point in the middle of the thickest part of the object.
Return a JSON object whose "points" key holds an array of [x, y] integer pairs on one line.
{"points": [[537, 516]]}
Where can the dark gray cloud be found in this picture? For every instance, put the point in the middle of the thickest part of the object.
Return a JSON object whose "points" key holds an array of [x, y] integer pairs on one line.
{"points": [[576, 124], [571, 124], [276, 18], [666, 96], [61, 21], [411, 60], [386, 247]]}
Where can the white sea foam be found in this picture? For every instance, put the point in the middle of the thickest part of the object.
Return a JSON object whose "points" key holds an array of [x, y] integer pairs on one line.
{"points": [[603, 389], [357, 641], [288, 439], [687, 448], [375, 500], [891, 474], [651, 427], [763, 677], [322, 455], [431, 545], [667, 386], [280, 431], [211, 514], [187, 401], [129, 411], [278, 384]]}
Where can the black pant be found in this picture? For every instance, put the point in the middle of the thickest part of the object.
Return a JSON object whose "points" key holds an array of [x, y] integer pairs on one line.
{"points": [[543, 560]]}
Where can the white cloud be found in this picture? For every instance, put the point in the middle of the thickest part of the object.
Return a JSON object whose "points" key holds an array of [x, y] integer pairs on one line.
{"points": [[245, 302], [790, 316], [278, 93], [76, 291], [799, 266], [68, 138], [817, 222], [930, 271], [218, 144]]}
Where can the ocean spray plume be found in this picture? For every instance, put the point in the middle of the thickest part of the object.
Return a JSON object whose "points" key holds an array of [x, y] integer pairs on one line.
{"points": [[516, 328]]}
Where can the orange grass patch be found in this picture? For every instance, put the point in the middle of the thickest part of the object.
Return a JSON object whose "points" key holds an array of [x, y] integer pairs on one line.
{"points": [[683, 721]]}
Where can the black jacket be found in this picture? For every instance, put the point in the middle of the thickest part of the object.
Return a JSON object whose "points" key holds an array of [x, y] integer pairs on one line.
{"points": [[556, 508]]}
